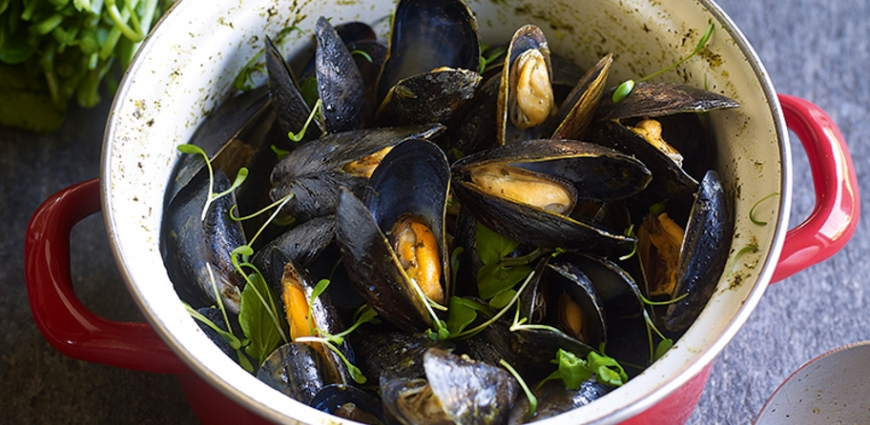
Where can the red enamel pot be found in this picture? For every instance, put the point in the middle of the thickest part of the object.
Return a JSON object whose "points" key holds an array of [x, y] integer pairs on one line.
{"points": [[186, 67]]}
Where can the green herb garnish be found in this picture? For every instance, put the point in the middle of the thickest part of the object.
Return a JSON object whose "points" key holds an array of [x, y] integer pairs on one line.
{"points": [[624, 89], [752, 210]]}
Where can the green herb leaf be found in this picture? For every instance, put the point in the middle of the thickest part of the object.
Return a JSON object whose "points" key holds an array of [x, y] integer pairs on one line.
{"points": [[461, 313], [573, 370], [280, 153], [606, 369], [362, 53], [493, 279], [257, 321], [622, 91], [502, 299], [663, 347], [492, 247]]}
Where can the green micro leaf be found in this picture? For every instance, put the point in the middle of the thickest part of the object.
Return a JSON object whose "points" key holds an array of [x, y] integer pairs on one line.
{"points": [[662, 348], [257, 321], [493, 279], [492, 247]]}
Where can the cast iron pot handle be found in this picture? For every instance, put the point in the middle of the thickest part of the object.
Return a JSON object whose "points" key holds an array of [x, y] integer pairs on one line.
{"points": [[835, 216], [63, 320]]}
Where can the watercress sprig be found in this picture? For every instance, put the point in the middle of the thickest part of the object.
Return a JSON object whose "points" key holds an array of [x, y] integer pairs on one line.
{"points": [[573, 370], [315, 112], [627, 86], [533, 401], [240, 177]]}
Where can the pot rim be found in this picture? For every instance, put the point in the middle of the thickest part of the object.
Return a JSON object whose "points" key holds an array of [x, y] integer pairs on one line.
{"points": [[273, 406]]}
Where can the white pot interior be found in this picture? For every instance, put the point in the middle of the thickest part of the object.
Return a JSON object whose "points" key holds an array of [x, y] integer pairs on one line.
{"points": [[187, 66]]}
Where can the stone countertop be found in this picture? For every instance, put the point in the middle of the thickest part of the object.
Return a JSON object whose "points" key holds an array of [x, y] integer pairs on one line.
{"points": [[815, 49]]}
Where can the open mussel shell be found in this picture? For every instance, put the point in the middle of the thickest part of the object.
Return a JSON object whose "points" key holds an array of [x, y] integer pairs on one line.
{"points": [[297, 370], [525, 98], [578, 108], [229, 137], [622, 305], [349, 402], [411, 181], [290, 107], [432, 63], [704, 253], [297, 287], [339, 83], [455, 390], [576, 308], [659, 99], [670, 182], [197, 252], [314, 172], [554, 399], [593, 173]]}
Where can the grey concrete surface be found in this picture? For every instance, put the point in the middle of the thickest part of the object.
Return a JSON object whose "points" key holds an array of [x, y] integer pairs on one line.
{"points": [[816, 49]]}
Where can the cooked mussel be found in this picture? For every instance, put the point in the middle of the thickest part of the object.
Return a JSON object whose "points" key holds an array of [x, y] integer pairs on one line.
{"points": [[349, 402], [526, 93], [310, 316], [455, 390], [526, 191], [314, 172], [339, 83], [660, 99], [432, 63], [197, 250], [393, 241], [297, 370], [230, 137], [677, 263]]}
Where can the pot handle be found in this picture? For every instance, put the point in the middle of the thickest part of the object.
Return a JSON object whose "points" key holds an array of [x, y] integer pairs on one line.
{"points": [[835, 217], [63, 320]]}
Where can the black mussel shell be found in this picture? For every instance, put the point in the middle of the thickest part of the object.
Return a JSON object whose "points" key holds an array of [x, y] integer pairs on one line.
{"points": [[190, 245], [413, 179], [302, 243], [669, 183], [472, 130], [349, 402], [339, 83], [290, 107], [554, 399], [564, 278], [431, 97], [659, 99], [229, 137], [432, 63], [577, 110], [297, 370], [706, 245], [314, 173], [597, 174], [323, 315], [397, 353], [426, 35], [456, 389]]}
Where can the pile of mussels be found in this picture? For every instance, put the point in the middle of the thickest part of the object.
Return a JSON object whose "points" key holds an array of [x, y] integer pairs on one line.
{"points": [[415, 155]]}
